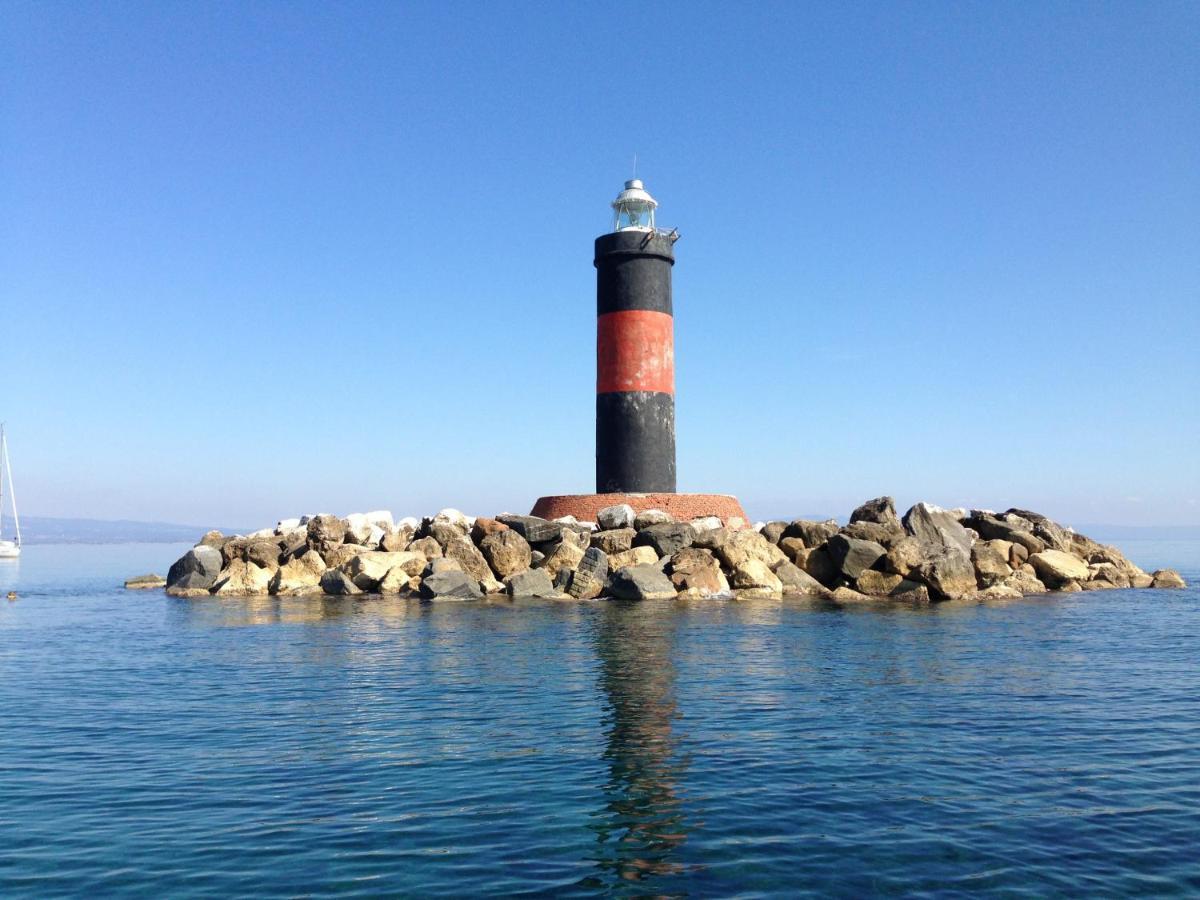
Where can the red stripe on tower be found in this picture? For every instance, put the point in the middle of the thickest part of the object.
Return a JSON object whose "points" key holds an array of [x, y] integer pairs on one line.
{"points": [[635, 351]]}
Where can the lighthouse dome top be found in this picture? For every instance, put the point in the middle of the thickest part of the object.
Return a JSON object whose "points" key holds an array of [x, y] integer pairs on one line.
{"points": [[634, 208]]}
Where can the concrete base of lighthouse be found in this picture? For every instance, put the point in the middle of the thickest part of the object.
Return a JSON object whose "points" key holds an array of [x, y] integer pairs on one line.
{"points": [[585, 507]]}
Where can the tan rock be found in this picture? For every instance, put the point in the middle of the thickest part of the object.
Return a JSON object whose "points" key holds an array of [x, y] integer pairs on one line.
{"points": [[904, 555], [188, 593], [506, 551], [398, 581], [1168, 578], [482, 527], [341, 554], [426, 546], [566, 555], [243, 579], [299, 574], [615, 540], [877, 584], [794, 549], [1141, 581], [991, 561], [473, 562], [696, 573], [755, 573], [1056, 567], [848, 595], [636, 556], [368, 568], [740, 547]]}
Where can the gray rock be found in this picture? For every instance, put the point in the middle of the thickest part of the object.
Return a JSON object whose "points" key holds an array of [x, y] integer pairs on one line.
{"points": [[264, 553], [851, 557], [937, 529], [873, 531], [773, 531], [197, 569], [880, 511], [667, 538], [1055, 536], [619, 516], [530, 583], [820, 566], [991, 528], [616, 540], [338, 583], [648, 517], [533, 529], [949, 574], [590, 576], [644, 582], [145, 582], [796, 581], [450, 585], [814, 534]]}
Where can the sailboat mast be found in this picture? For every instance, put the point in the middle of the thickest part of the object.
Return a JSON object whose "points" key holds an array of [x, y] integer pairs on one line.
{"points": [[3, 452], [12, 493]]}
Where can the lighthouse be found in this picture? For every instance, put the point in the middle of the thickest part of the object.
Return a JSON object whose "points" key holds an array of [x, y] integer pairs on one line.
{"points": [[635, 375], [635, 350]]}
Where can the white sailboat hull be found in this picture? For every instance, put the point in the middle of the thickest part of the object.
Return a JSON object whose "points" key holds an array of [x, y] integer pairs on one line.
{"points": [[9, 550]]}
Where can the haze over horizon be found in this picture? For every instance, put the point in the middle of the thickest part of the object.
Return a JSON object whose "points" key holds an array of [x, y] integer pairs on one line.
{"points": [[271, 260]]}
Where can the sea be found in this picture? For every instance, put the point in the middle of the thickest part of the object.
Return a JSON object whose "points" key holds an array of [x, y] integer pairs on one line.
{"points": [[159, 747]]}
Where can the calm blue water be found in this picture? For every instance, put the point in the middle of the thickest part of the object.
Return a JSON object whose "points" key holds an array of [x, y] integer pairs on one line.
{"points": [[154, 747]]}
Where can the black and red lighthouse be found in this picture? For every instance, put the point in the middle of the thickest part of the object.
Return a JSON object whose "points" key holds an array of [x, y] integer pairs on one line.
{"points": [[635, 350], [635, 375]]}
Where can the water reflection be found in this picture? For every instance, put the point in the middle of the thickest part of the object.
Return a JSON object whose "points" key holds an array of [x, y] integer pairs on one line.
{"points": [[642, 825]]}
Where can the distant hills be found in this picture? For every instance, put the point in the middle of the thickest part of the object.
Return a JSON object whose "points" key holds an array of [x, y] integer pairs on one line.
{"points": [[40, 530]]}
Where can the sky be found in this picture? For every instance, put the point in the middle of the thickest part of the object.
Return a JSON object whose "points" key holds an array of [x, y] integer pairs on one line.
{"points": [[266, 259]]}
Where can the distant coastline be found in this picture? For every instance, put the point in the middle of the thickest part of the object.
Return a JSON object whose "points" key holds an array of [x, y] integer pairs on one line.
{"points": [[46, 530]]}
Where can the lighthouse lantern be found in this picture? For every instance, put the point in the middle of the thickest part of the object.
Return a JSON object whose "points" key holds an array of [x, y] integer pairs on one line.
{"points": [[634, 208]]}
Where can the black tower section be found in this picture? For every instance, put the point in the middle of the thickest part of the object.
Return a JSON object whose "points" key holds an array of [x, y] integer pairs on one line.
{"points": [[635, 384]]}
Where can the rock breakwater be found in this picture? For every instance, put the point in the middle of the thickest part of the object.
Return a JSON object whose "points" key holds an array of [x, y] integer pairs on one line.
{"points": [[927, 555]]}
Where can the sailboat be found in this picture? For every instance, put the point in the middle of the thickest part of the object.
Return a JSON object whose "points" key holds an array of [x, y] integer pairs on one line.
{"points": [[8, 549]]}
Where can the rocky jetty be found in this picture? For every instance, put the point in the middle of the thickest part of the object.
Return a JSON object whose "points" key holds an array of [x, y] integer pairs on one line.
{"points": [[927, 555]]}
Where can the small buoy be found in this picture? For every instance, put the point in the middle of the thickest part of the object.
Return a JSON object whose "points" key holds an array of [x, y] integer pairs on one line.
{"points": [[12, 595]]}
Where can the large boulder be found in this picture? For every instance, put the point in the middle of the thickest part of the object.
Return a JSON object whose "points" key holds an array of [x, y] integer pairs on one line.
{"points": [[300, 574], [368, 568], [990, 559], [618, 516], [642, 582], [145, 582], [243, 579], [533, 529], [739, 547], [531, 583], [472, 561], [819, 564], [264, 553], [358, 529], [615, 540], [880, 511], [814, 534], [484, 526], [873, 531], [590, 576], [878, 584], [1055, 536], [1168, 578], [852, 556], [1056, 568], [904, 555], [666, 538], [773, 531], [506, 551], [427, 546], [637, 556], [337, 557], [339, 584], [198, 569], [450, 585], [948, 573], [648, 517], [937, 529], [325, 533], [566, 556], [695, 572], [796, 581], [754, 579]]}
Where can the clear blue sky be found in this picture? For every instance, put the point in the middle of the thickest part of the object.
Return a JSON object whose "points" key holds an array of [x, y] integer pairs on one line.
{"points": [[264, 259]]}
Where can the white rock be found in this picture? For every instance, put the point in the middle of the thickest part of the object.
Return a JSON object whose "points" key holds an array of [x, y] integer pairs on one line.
{"points": [[410, 522], [285, 526], [451, 516], [262, 533], [382, 518], [375, 537], [567, 520], [619, 516], [706, 523], [358, 527]]}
